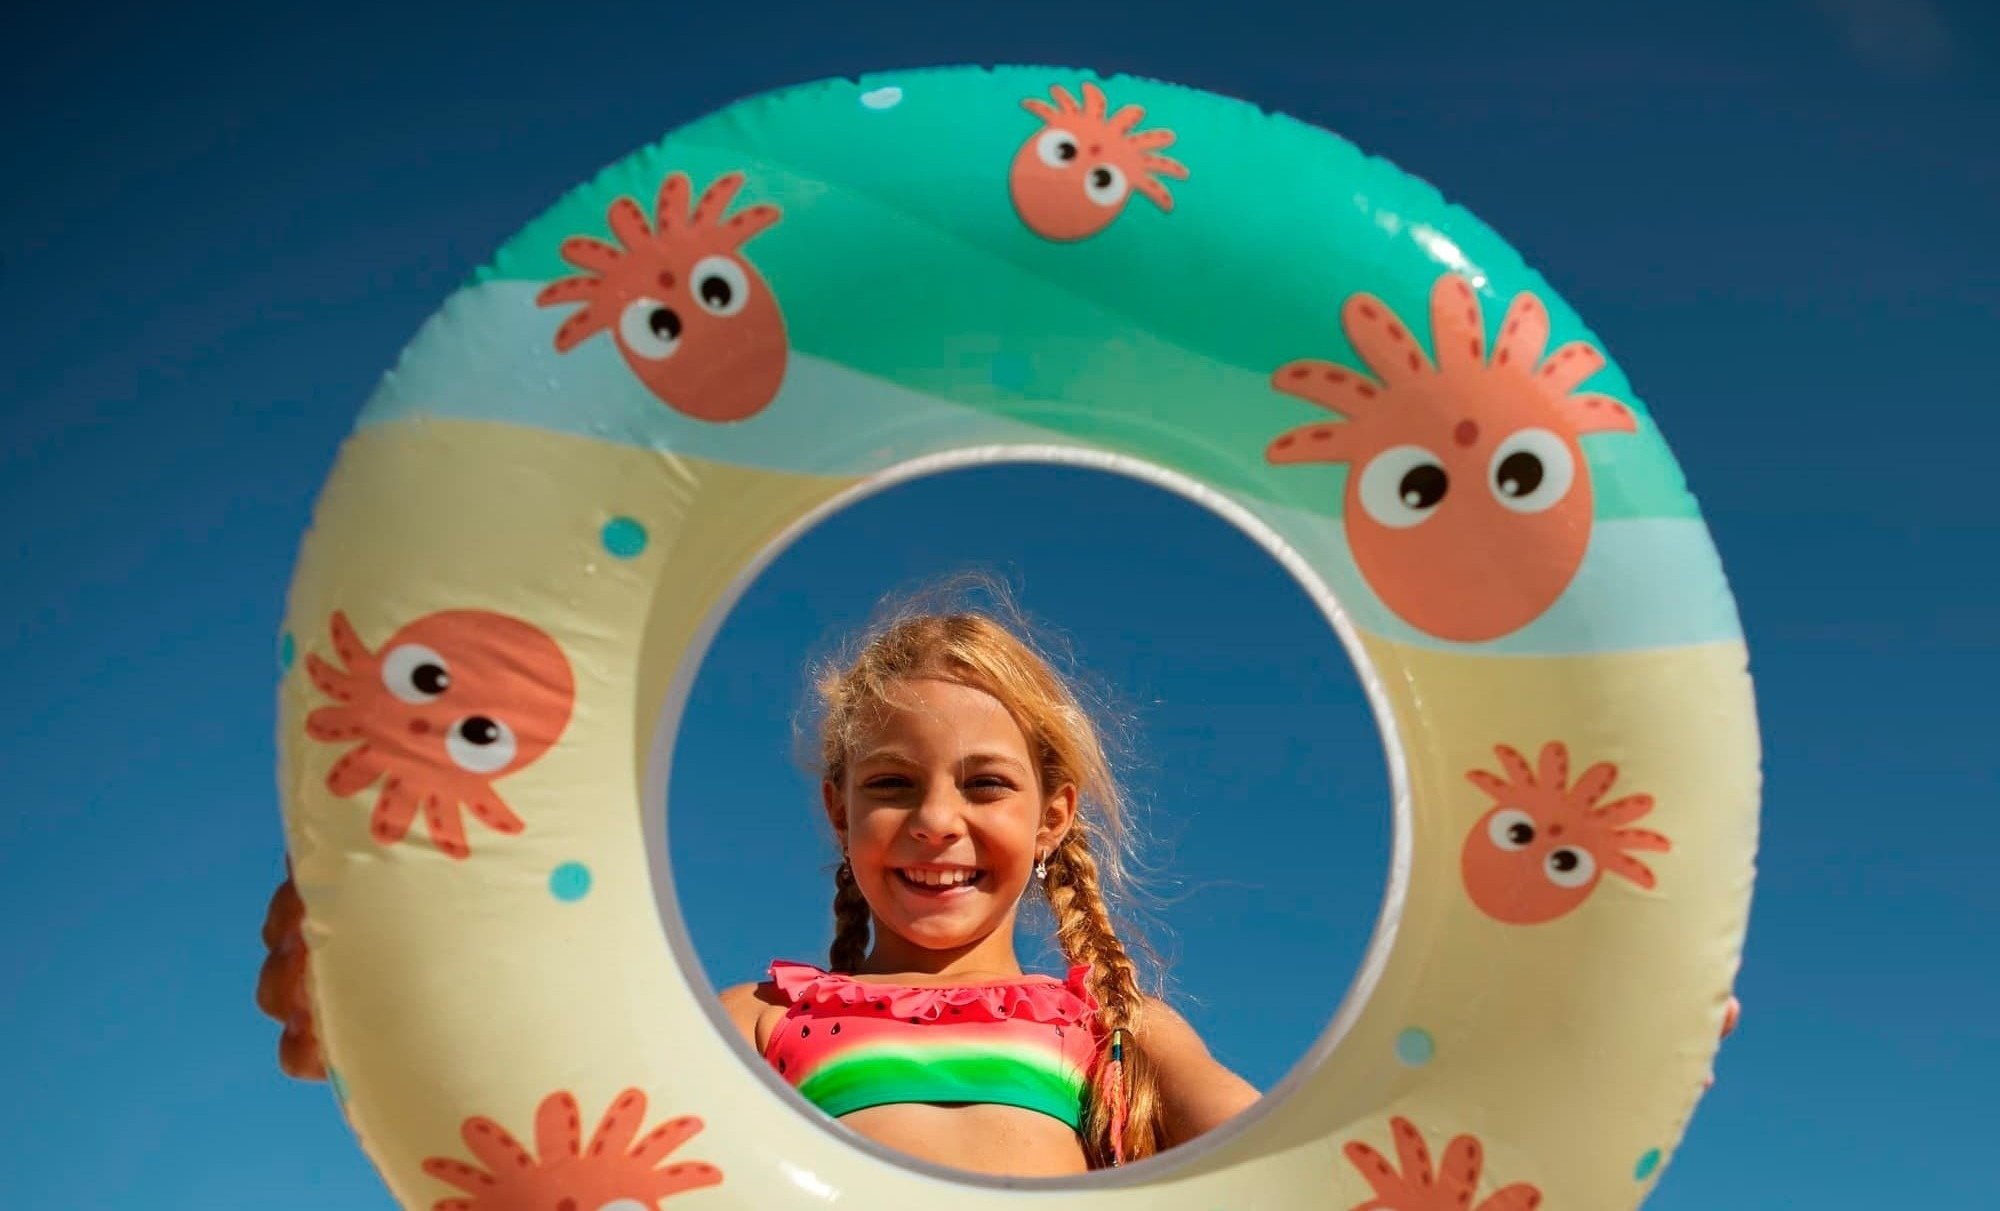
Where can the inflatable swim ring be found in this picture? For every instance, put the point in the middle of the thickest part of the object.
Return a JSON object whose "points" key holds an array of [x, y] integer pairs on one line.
{"points": [[581, 460]]}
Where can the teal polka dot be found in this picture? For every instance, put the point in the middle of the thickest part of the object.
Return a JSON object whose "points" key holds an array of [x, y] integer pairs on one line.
{"points": [[887, 97], [287, 652], [1011, 371], [1415, 1047], [570, 882], [624, 537], [1648, 1165], [339, 1088]]}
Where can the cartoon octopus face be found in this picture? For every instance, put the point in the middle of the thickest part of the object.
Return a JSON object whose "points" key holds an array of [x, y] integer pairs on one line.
{"points": [[618, 1171], [1468, 502], [692, 317], [1542, 849], [1072, 177], [453, 701]]}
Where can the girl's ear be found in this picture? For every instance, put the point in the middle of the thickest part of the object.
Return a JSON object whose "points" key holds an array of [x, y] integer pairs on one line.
{"points": [[836, 811], [1058, 815]]}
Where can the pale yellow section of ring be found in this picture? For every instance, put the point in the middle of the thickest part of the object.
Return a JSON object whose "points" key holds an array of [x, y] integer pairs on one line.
{"points": [[452, 989], [449, 989], [1570, 1048]]}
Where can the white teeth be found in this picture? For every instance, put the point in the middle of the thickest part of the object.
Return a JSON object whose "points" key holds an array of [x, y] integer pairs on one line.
{"points": [[939, 878]]}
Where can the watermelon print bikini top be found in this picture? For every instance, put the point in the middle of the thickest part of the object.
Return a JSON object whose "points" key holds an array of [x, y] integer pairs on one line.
{"points": [[848, 1045]]}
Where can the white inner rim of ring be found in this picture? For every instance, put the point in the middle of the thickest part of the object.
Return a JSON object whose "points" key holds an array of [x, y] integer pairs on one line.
{"points": [[659, 769]]}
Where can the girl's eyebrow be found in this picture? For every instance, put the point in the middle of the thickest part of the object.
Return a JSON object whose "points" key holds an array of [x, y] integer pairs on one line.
{"points": [[980, 757]]}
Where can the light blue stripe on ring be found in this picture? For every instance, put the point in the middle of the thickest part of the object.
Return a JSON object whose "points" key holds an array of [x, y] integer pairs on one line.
{"points": [[488, 355]]}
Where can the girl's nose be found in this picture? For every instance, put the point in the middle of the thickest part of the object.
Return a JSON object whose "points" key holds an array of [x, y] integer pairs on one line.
{"points": [[939, 816]]}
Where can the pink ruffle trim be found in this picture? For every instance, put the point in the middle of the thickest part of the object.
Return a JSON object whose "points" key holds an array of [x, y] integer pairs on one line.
{"points": [[1057, 1003]]}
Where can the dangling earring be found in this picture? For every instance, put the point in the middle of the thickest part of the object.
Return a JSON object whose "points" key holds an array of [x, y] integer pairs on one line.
{"points": [[1041, 867]]}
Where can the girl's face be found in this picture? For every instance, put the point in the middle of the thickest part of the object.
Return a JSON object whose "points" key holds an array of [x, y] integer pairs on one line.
{"points": [[942, 812]]}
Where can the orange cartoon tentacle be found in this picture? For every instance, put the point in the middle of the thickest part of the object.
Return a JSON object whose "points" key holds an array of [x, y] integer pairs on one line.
{"points": [[1494, 786], [1373, 1166], [354, 772], [492, 811], [395, 810], [1458, 1172], [459, 1174], [685, 1176], [579, 328], [1627, 867], [1458, 337], [333, 723], [558, 1127], [1523, 334], [1150, 189], [1553, 769], [1518, 1197], [1593, 783], [662, 1140], [1321, 442], [1569, 366], [750, 221], [347, 645], [1331, 386], [1411, 1151], [1644, 839], [715, 199], [494, 1147], [1064, 99], [1516, 766], [1041, 109], [1624, 811], [1126, 118], [1593, 413], [333, 682], [670, 204], [620, 1125], [453, 1204], [1166, 166], [446, 827], [569, 290], [1094, 104], [591, 254], [1151, 140], [1385, 345], [628, 223]]}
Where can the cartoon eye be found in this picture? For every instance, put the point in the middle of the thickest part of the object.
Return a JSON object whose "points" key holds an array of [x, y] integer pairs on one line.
{"points": [[650, 329], [480, 744], [1569, 866], [1105, 185], [1057, 148], [1532, 470], [1403, 485], [414, 673], [720, 286], [1511, 829]]}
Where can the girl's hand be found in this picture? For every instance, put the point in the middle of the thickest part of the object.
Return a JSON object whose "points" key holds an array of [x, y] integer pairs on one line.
{"points": [[1731, 1015], [281, 985]]}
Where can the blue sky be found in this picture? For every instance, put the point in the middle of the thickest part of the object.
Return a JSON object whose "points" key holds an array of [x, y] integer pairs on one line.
{"points": [[221, 230]]}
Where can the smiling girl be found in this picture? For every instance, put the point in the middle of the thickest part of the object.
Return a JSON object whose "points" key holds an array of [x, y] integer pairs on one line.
{"points": [[960, 775]]}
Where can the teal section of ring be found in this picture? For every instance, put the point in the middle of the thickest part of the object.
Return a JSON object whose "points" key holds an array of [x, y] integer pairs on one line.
{"points": [[923, 314]]}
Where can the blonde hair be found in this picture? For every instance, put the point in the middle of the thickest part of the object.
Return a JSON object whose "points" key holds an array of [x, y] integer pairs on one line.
{"points": [[1087, 870]]}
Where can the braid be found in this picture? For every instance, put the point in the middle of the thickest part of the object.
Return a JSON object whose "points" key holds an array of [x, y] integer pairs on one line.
{"points": [[1122, 1112], [850, 922]]}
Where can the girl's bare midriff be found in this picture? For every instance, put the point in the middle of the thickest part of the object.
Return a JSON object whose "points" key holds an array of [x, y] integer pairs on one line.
{"points": [[983, 1139]]}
